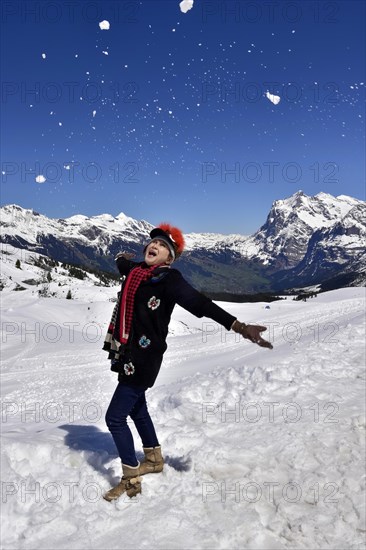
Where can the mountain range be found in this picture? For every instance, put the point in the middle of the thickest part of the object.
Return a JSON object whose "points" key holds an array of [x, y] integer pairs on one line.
{"points": [[305, 241]]}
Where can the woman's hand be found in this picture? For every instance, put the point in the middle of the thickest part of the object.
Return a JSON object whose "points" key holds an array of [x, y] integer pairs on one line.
{"points": [[252, 333]]}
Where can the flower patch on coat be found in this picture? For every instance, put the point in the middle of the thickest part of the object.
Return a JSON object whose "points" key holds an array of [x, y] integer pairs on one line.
{"points": [[144, 342], [129, 368], [153, 303]]}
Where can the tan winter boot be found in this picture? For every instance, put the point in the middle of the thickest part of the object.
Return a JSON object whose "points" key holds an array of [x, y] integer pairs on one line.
{"points": [[129, 484], [153, 461]]}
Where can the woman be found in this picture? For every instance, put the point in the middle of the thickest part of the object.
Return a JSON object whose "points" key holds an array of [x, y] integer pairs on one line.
{"points": [[136, 341]]}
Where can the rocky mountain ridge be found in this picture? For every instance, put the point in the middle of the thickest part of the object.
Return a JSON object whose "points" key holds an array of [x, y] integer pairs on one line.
{"points": [[304, 240]]}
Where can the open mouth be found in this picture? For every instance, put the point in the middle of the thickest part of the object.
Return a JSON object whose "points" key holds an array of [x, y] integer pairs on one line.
{"points": [[152, 253]]}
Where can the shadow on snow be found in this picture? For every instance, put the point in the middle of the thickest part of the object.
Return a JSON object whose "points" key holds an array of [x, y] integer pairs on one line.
{"points": [[100, 449]]}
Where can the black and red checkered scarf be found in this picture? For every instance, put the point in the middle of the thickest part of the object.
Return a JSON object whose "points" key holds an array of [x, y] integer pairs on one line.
{"points": [[135, 278]]}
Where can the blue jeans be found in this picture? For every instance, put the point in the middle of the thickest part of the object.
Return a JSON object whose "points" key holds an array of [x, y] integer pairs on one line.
{"points": [[130, 401]]}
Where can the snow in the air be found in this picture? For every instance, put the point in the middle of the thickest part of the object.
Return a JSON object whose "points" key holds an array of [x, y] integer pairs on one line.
{"points": [[186, 5], [264, 449], [104, 25], [275, 99], [40, 178]]}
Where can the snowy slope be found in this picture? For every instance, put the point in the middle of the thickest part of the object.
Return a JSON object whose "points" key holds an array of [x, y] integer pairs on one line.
{"points": [[33, 271], [263, 448]]}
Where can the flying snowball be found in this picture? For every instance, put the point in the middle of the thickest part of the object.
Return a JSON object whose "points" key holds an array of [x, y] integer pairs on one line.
{"points": [[43, 56], [40, 179], [104, 25], [274, 98], [186, 5]]}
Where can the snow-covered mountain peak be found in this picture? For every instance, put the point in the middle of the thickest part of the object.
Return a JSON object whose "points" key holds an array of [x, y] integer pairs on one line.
{"points": [[23, 222], [316, 203], [323, 195], [76, 219], [349, 200], [282, 241], [16, 207], [105, 218], [18, 212], [123, 218]]}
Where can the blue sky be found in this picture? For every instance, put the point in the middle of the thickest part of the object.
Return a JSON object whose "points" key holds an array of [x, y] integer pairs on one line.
{"points": [[164, 116]]}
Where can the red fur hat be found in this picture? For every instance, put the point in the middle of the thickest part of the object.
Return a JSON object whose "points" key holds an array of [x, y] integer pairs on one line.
{"points": [[172, 235]]}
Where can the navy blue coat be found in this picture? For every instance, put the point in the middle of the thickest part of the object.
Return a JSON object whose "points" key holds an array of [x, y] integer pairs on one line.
{"points": [[140, 360]]}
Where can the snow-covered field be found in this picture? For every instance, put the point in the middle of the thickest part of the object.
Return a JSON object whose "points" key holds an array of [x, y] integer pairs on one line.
{"points": [[264, 449]]}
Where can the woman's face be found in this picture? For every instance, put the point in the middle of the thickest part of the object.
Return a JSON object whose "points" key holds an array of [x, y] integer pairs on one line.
{"points": [[157, 252]]}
